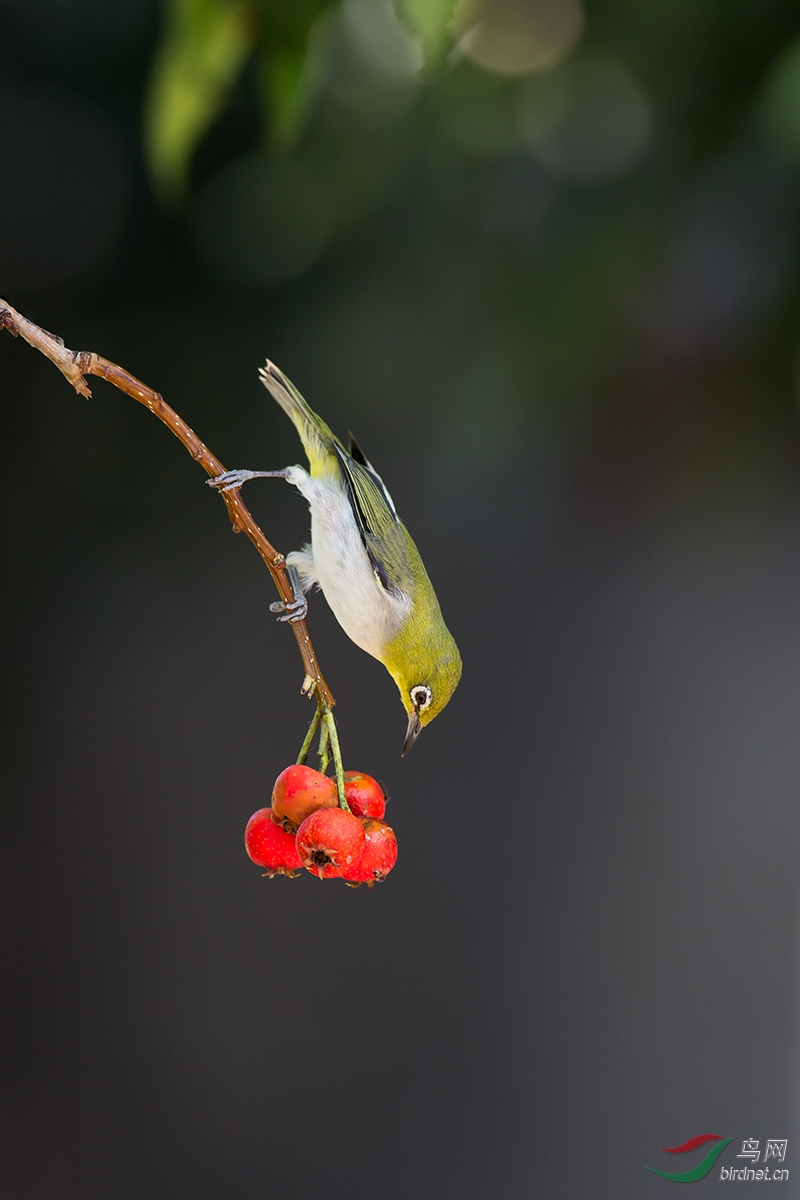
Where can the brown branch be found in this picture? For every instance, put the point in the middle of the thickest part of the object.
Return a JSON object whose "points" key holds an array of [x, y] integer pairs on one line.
{"points": [[75, 365]]}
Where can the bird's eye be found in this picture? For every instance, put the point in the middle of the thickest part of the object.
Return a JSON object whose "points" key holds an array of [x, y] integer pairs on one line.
{"points": [[420, 697]]}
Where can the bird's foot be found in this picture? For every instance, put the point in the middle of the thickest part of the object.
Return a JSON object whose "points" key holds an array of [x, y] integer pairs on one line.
{"points": [[235, 479], [297, 610], [230, 480]]}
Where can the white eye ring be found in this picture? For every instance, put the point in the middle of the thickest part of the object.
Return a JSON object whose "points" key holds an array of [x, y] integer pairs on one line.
{"points": [[421, 696]]}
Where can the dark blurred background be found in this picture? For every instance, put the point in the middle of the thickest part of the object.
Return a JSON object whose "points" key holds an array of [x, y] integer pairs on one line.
{"points": [[542, 257]]}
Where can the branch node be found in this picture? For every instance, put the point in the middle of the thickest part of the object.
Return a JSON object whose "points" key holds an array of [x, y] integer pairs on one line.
{"points": [[309, 686], [7, 322]]}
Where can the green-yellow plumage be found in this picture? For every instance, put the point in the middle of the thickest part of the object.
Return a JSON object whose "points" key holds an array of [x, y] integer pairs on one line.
{"points": [[366, 563]]}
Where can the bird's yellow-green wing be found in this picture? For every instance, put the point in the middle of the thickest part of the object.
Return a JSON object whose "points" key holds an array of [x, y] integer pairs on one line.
{"points": [[376, 518], [373, 508]]}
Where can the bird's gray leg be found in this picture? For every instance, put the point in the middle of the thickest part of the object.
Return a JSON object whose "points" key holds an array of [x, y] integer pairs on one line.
{"points": [[296, 610], [303, 562], [235, 479]]}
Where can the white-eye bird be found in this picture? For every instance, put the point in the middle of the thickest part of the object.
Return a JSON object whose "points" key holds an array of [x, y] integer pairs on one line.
{"points": [[363, 559]]}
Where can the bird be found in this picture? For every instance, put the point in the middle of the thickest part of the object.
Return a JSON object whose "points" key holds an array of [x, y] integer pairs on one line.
{"points": [[364, 561]]}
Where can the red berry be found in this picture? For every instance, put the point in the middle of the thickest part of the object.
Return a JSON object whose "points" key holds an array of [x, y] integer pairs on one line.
{"points": [[379, 856], [270, 846], [364, 795], [330, 842], [300, 791]]}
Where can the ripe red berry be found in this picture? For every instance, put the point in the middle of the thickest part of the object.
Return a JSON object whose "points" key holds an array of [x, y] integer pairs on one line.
{"points": [[270, 846], [364, 795], [330, 842], [379, 856], [300, 791]]}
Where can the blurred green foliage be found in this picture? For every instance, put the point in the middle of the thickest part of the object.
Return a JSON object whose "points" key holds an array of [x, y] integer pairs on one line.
{"points": [[529, 210], [781, 103], [204, 45], [428, 20], [203, 49]]}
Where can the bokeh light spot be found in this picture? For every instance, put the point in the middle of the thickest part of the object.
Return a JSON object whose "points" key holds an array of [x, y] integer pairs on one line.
{"points": [[267, 218], [483, 122], [261, 221], [372, 70], [382, 38], [513, 38], [590, 124]]}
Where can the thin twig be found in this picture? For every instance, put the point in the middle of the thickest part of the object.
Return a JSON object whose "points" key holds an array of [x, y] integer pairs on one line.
{"points": [[75, 365]]}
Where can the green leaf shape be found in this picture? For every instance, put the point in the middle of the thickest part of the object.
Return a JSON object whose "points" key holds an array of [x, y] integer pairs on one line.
{"points": [[203, 49], [429, 20], [287, 97], [702, 1168], [291, 61]]}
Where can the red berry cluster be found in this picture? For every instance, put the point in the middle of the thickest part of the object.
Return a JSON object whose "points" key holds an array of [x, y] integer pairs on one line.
{"points": [[305, 827]]}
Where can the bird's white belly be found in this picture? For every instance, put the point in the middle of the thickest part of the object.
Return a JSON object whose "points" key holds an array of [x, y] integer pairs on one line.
{"points": [[369, 615]]}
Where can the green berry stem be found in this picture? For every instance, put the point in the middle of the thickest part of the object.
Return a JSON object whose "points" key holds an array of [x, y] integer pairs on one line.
{"points": [[323, 749], [333, 736], [301, 758], [328, 741]]}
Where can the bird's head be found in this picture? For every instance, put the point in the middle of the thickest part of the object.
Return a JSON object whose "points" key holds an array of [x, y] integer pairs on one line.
{"points": [[426, 670]]}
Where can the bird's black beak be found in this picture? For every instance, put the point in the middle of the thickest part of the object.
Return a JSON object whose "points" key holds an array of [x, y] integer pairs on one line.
{"points": [[412, 733]]}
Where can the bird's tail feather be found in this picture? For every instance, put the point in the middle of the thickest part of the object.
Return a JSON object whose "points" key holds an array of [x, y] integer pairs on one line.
{"points": [[315, 435]]}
